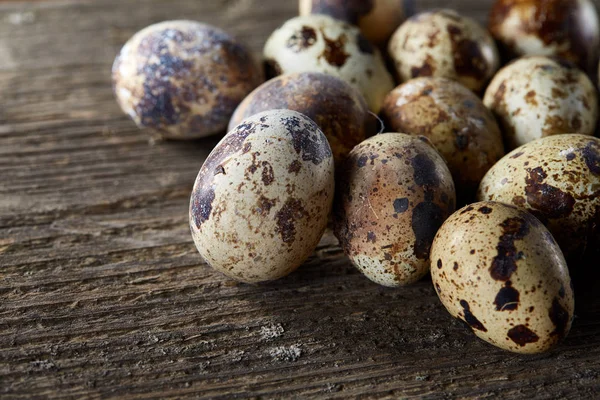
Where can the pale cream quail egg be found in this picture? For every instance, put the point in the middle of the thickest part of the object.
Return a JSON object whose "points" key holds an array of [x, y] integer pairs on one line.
{"points": [[498, 269], [318, 43], [262, 198], [536, 96]]}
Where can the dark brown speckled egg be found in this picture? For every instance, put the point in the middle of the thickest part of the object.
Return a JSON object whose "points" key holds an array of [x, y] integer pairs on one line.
{"points": [[557, 179], [337, 107], [568, 29], [183, 79], [444, 44], [392, 194], [455, 120], [498, 269]]}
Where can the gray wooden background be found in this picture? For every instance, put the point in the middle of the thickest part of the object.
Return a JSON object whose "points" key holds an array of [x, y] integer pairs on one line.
{"points": [[102, 292]]}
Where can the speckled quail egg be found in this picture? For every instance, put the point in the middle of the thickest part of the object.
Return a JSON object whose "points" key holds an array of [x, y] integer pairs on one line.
{"points": [[557, 179], [393, 193], [338, 108], [262, 198], [183, 79], [567, 29], [319, 43], [498, 269], [444, 44], [377, 19], [539, 96], [462, 129]]}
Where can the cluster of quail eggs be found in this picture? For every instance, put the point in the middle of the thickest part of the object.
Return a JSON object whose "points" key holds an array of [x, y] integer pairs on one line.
{"points": [[497, 121]]}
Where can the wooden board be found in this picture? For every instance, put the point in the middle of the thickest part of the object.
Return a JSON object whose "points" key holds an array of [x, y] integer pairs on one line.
{"points": [[102, 293]]}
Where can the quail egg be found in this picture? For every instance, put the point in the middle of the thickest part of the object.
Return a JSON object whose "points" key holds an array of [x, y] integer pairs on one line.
{"points": [[444, 44], [538, 96], [557, 179], [567, 29], [318, 43], [393, 193], [499, 270], [377, 19], [183, 79], [462, 129], [262, 198], [338, 108]]}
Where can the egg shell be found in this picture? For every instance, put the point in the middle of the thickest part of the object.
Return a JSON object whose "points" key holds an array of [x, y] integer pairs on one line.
{"points": [[261, 200], [393, 193], [377, 19], [567, 29], [455, 120], [557, 179], [536, 96], [498, 269], [444, 44], [183, 79], [318, 43], [338, 108]]}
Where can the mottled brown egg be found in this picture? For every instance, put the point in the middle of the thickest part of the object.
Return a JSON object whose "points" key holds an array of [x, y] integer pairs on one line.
{"points": [[444, 44], [567, 29], [377, 19], [536, 96], [338, 108], [319, 43], [262, 198], [498, 269], [455, 120], [183, 79], [557, 179], [392, 194]]}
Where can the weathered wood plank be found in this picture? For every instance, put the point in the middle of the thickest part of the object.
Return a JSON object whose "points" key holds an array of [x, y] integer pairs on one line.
{"points": [[103, 294]]}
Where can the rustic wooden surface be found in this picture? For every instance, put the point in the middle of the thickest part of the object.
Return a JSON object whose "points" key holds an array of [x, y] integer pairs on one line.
{"points": [[103, 293]]}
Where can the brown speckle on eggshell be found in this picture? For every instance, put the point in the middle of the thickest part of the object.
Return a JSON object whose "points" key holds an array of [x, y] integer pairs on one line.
{"points": [[512, 287], [536, 96], [338, 108], [183, 79], [319, 43], [556, 178], [442, 43], [455, 120], [393, 193], [261, 200]]}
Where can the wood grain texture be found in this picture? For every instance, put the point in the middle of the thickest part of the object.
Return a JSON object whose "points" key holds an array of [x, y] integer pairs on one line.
{"points": [[102, 293]]}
